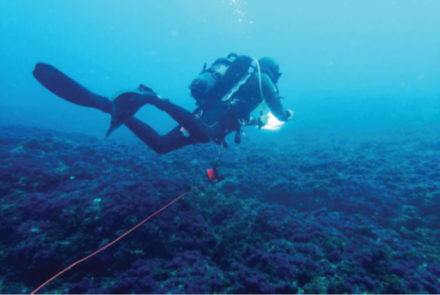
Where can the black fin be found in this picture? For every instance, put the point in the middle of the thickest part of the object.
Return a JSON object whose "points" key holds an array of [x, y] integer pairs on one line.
{"points": [[63, 86], [142, 87]]}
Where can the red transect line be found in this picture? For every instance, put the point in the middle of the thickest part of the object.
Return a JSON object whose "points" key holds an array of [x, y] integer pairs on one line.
{"points": [[117, 239]]}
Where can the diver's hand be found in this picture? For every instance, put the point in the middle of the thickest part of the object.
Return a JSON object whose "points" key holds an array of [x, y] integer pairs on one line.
{"points": [[262, 120], [289, 114]]}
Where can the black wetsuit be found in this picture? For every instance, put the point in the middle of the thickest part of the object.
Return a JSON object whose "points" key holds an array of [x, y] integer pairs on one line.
{"points": [[213, 121], [202, 125], [248, 98], [210, 122]]}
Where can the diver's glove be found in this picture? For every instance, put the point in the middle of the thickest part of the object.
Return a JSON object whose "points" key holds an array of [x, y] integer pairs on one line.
{"points": [[262, 121]]}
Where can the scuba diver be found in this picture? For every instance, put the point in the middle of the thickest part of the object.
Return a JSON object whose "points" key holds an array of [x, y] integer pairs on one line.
{"points": [[226, 94]]}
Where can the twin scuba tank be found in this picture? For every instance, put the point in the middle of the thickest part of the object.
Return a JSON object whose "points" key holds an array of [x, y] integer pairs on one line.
{"points": [[213, 83]]}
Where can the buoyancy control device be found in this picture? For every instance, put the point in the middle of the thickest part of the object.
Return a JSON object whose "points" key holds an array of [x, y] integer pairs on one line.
{"points": [[214, 82]]}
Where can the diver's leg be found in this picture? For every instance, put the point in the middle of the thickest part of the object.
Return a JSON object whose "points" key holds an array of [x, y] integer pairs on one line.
{"points": [[195, 126], [160, 144], [127, 104], [63, 86]]}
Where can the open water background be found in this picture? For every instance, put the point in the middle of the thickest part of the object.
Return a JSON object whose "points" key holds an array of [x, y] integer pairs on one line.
{"points": [[347, 65]]}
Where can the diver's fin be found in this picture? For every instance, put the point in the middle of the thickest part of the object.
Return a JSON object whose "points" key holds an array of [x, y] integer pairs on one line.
{"points": [[61, 85], [127, 103]]}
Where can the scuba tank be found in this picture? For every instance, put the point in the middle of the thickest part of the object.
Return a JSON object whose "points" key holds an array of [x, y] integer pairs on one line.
{"points": [[214, 82]]}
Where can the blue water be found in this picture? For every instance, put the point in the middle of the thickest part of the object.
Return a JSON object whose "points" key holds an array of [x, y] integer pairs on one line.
{"points": [[361, 64], [363, 78]]}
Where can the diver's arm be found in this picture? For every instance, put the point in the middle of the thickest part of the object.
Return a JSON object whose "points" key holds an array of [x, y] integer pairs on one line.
{"points": [[272, 99]]}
